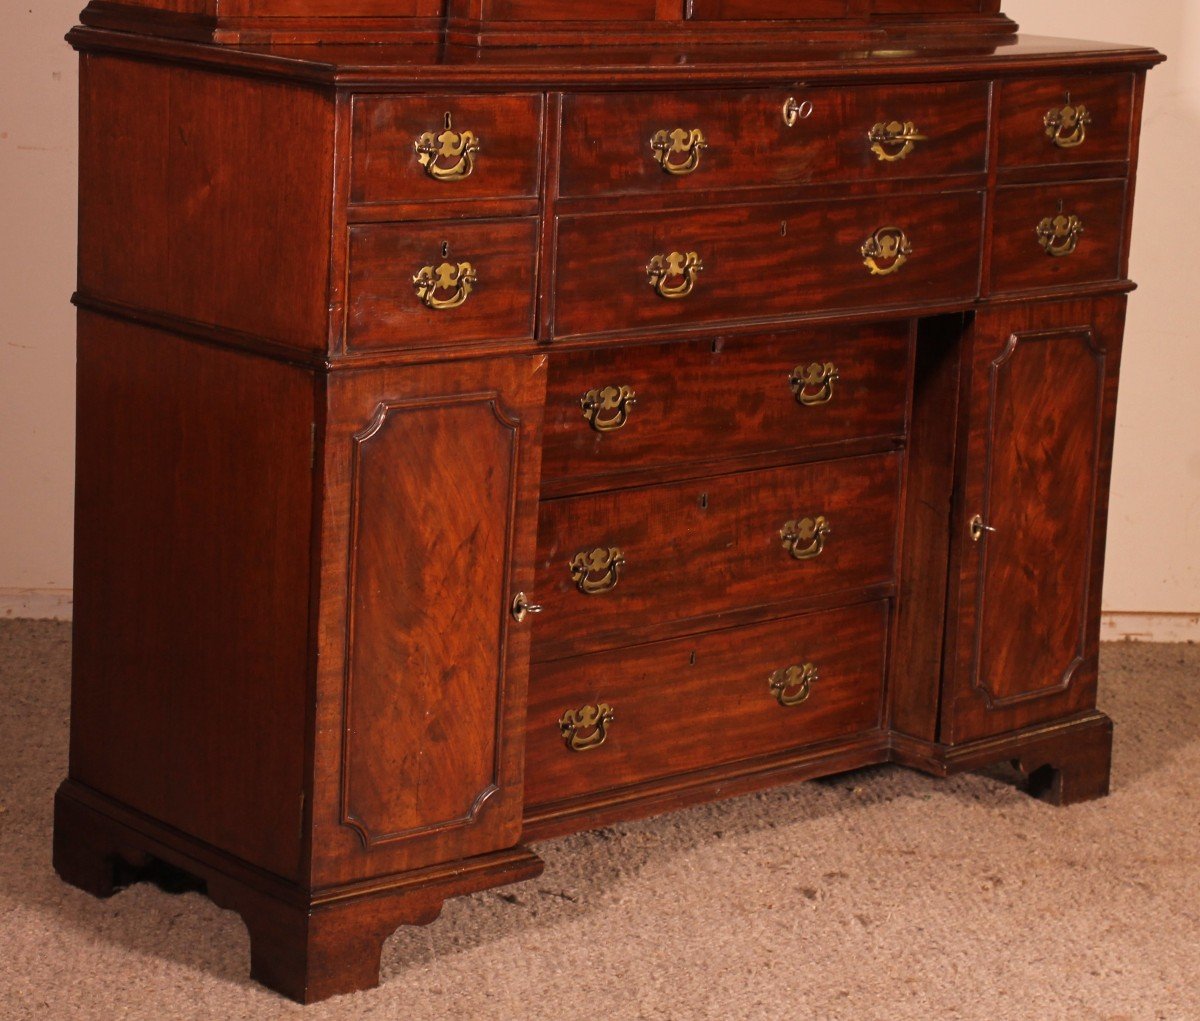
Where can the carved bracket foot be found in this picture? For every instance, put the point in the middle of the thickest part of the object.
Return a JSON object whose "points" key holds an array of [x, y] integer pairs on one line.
{"points": [[306, 944]]}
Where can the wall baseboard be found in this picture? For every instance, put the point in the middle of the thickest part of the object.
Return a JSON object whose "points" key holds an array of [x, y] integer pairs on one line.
{"points": [[37, 603], [1129, 626], [1115, 625]]}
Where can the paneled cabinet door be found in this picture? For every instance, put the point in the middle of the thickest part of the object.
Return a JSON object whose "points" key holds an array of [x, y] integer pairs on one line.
{"points": [[1028, 546], [430, 525]]}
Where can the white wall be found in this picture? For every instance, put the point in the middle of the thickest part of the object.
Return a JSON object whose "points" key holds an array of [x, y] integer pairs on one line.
{"points": [[1153, 576]]}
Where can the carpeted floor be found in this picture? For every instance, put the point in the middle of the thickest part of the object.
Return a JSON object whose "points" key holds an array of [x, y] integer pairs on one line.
{"points": [[877, 895]]}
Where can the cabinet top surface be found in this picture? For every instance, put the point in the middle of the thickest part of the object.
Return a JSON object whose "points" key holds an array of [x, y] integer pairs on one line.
{"points": [[454, 66]]}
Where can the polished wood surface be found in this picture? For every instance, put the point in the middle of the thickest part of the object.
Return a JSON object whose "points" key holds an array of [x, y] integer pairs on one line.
{"points": [[749, 144], [699, 549], [701, 701], [760, 260], [725, 397], [384, 473]]}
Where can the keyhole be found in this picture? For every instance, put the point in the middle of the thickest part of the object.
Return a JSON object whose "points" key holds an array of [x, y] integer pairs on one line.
{"points": [[704, 501], [445, 249], [447, 121], [783, 228], [718, 345], [692, 658]]}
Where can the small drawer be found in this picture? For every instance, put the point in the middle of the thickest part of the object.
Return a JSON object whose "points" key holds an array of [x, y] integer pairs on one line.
{"points": [[612, 410], [437, 148], [1064, 121], [627, 271], [1052, 235], [651, 142], [690, 550], [618, 718], [415, 285]]}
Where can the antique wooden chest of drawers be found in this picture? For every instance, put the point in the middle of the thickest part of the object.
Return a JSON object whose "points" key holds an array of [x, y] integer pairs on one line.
{"points": [[494, 423]]}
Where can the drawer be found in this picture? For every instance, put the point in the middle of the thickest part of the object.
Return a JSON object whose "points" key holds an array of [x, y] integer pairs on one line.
{"points": [[625, 271], [612, 410], [626, 143], [429, 284], [673, 707], [611, 561], [472, 147], [1051, 235], [1063, 121]]}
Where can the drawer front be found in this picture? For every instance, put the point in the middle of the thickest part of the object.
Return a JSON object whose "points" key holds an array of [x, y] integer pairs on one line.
{"points": [[626, 143], [610, 410], [439, 148], [702, 701], [1051, 235], [691, 550], [627, 271], [430, 284], [1062, 121]]}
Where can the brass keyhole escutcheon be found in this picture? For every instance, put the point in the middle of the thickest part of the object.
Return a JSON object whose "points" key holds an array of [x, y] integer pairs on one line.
{"points": [[587, 727], [1059, 235], [447, 155], [673, 276], [795, 111], [598, 570], [804, 538], [607, 408], [892, 141], [792, 685], [522, 608], [885, 251], [1067, 126], [813, 385], [446, 286], [678, 151]]}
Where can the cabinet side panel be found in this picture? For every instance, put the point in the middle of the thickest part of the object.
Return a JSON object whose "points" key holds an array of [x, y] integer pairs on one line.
{"points": [[206, 197], [193, 519], [431, 494], [430, 515]]}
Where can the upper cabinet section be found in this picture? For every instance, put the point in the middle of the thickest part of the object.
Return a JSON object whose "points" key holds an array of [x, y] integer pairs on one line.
{"points": [[547, 22]]}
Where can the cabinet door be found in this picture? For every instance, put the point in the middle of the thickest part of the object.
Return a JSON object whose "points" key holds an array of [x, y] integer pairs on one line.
{"points": [[1028, 546], [430, 525]]}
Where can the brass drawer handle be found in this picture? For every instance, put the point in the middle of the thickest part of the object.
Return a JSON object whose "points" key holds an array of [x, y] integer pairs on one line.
{"points": [[678, 152], [893, 140], [592, 720], [607, 408], [1059, 235], [674, 275], [885, 251], [1067, 127], [794, 111], [805, 538], [814, 385], [597, 571], [447, 155], [792, 685], [457, 278]]}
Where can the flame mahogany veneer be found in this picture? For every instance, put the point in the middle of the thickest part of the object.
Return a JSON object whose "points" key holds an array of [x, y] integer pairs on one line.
{"points": [[771, 348]]}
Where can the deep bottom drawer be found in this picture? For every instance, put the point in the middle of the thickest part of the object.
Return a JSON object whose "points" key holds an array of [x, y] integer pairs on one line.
{"points": [[623, 717]]}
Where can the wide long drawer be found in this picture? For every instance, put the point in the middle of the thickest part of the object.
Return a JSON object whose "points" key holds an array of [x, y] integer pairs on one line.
{"points": [[618, 718], [650, 142], [625, 271], [612, 410], [686, 551]]}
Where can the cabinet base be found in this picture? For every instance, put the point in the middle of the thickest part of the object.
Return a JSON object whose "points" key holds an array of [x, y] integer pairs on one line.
{"points": [[307, 945], [1066, 762], [310, 945]]}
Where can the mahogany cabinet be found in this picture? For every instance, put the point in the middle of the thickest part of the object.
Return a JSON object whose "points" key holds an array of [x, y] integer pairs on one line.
{"points": [[494, 423]]}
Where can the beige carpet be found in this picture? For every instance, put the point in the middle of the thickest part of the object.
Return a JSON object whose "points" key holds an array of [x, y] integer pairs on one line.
{"points": [[878, 895]]}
